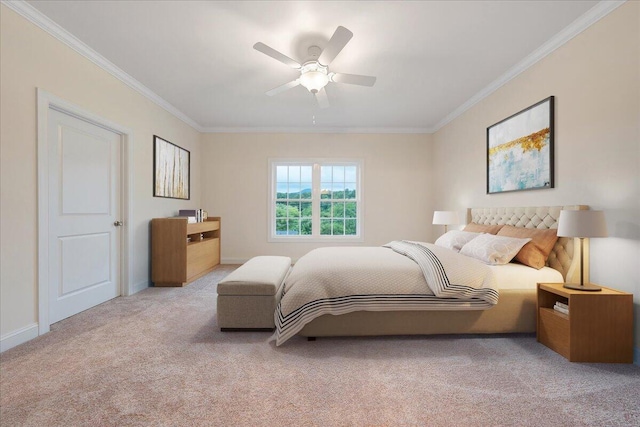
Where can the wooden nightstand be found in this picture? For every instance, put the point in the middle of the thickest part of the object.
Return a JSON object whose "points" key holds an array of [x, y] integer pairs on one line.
{"points": [[598, 328]]}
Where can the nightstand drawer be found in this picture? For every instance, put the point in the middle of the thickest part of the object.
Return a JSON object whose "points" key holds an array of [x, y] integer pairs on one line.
{"points": [[554, 330]]}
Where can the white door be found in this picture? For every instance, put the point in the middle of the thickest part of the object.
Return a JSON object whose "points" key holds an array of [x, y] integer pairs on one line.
{"points": [[84, 211]]}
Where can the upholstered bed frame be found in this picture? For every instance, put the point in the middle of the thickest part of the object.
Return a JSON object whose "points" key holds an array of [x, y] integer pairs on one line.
{"points": [[515, 311]]}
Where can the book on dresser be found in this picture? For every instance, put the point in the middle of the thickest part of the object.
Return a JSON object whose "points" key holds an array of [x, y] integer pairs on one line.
{"points": [[181, 251]]}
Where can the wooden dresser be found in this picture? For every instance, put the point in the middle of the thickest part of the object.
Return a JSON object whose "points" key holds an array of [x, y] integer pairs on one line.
{"points": [[182, 252]]}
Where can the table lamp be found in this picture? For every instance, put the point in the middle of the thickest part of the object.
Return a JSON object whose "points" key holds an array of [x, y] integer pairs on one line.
{"points": [[445, 218], [582, 224]]}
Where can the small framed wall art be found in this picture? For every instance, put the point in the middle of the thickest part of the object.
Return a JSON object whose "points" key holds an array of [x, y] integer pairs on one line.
{"points": [[520, 150], [170, 170]]}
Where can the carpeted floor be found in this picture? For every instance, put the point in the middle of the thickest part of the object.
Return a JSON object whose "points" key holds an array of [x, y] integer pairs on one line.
{"points": [[158, 358]]}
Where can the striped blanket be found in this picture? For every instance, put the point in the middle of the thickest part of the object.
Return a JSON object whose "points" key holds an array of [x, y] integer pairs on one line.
{"points": [[400, 276]]}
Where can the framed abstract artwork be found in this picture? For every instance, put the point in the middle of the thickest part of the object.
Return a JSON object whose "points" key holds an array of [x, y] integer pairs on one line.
{"points": [[520, 150], [170, 170]]}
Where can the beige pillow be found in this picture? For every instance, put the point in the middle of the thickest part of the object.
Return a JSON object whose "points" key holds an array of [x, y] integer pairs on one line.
{"points": [[494, 250], [535, 253], [482, 228]]}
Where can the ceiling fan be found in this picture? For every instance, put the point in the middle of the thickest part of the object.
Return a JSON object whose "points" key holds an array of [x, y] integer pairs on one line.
{"points": [[314, 73]]}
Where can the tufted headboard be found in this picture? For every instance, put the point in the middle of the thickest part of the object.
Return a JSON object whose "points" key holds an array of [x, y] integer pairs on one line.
{"points": [[543, 217]]}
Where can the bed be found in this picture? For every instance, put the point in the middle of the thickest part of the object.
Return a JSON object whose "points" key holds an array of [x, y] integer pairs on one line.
{"points": [[514, 312]]}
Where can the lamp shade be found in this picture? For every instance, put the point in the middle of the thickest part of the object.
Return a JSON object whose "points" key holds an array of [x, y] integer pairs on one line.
{"points": [[582, 224], [445, 218]]}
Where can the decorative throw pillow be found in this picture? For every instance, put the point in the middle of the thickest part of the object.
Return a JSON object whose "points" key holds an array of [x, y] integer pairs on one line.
{"points": [[535, 253], [455, 239], [494, 250], [482, 228]]}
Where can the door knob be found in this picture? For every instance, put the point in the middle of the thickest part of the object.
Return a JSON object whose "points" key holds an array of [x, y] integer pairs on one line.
{"points": [[118, 223]]}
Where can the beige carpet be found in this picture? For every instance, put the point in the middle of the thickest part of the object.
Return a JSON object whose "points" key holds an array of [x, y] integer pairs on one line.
{"points": [[157, 358]]}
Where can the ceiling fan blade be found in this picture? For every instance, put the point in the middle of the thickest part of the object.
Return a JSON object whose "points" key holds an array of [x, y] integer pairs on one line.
{"points": [[321, 97], [337, 42], [284, 87], [353, 79], [261, 47]]}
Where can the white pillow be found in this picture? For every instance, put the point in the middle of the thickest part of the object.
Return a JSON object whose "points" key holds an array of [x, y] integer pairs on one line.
{"points": [[455, 239], [492, 249]]}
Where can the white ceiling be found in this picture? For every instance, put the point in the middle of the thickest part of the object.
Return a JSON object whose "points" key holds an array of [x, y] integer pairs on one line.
{"points": [[430, 58]]}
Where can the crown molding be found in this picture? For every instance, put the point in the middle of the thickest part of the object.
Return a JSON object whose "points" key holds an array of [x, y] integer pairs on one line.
{"points": [[38, 18], [317, 130], [592, 16]]}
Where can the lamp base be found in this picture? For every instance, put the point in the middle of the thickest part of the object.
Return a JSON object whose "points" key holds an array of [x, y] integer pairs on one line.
{"points": [[584, 287]]}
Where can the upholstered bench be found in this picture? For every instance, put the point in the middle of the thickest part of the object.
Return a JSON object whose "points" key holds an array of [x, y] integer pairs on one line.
{"points": [[247, 297]]}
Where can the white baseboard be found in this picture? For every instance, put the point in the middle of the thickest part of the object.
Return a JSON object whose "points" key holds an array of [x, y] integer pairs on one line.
{"points": [[636, 356], [139, 286], [18, 337]]}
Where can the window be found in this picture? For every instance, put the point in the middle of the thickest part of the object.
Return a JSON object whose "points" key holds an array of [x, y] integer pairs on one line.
{"points": [[313, 199]]}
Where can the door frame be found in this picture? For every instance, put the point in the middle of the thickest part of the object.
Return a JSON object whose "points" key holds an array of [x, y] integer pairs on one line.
{"points": [[47, 101]]}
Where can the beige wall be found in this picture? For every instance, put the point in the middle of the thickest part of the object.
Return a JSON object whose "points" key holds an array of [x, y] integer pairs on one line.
{"points": [[397, 177], [596, 81], [31, 58]]}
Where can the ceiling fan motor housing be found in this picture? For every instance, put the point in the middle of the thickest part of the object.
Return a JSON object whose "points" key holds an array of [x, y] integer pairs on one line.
{"points": [[314, 52]]}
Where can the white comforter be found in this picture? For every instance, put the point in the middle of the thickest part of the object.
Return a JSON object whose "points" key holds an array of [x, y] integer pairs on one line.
{"points": [[340, 280]]}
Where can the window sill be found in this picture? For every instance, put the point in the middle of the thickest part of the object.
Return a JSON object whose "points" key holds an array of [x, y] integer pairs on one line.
{"points": [[310, 239]]}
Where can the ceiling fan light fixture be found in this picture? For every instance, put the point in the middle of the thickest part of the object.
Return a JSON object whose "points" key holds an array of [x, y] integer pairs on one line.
{"points": [[314, 80], [313, 76]]}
